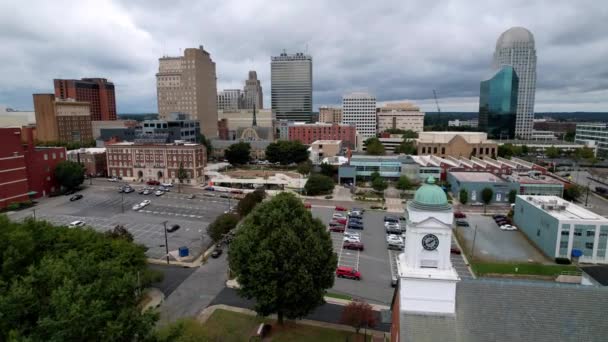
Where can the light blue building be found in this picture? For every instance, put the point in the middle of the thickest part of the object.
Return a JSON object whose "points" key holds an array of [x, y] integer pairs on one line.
{"points": [[562, 229], [390, 167], [475, 182]]}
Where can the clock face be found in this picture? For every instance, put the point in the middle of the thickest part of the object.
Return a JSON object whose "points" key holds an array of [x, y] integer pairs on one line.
{"points": [[430, 242]]}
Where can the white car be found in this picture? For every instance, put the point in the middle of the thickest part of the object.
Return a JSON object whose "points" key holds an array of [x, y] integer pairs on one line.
{"points": [[76, 224], [352, 234], [338, 215], [166, 185], [159, 193], [137, 206], [355, 213], [352, 239], [394, 239], [508, 227], [146, 192], [391, 225], [113, 179], [144, 203]]}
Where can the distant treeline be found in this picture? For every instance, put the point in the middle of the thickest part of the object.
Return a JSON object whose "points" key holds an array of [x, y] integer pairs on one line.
{"points": [[138, 116], [437, 119]]}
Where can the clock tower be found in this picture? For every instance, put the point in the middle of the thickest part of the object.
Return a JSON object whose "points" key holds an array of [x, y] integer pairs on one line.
{"points": [[427, 278]]}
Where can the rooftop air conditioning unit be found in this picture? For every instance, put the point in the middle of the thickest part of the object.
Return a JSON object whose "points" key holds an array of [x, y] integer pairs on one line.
{"points": [[561, 207]]}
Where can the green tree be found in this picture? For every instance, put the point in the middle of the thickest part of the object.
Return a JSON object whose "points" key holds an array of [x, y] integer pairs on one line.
{"points": [[239, 153], [249, 202], [119, 232], [222, 225], [181, 176], [69, 174], [327, 169], [409, 134], [463, 196], [319, 185], [570, 136], [374, 175], [286, 152], [584, 153], [62, 284], [201, 139], [552, 152], [404, 183], [374, 147], [512, 196], [525, 150], [572, 193], [305, 167], [283, 258], [379, 184], [406, 147], [505, 151], [486, 197]]}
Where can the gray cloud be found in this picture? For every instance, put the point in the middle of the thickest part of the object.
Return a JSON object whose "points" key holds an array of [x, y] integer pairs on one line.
{"points": [[393, 49]]}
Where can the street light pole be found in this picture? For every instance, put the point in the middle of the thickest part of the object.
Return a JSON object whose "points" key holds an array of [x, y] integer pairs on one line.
{"points": [[166, 242]]}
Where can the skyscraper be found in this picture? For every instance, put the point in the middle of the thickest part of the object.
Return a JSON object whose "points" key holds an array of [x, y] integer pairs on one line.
{"points": [[515, 47], [253, 96], [291, 86], [498, 104], [97, 91], [229, 100], [187, 84], [359, 109]]}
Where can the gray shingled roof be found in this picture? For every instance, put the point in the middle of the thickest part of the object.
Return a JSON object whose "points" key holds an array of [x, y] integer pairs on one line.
{"points": [[503, 310]]}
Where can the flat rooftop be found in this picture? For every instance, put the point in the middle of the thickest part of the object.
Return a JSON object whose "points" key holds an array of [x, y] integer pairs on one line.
{"points": [[562, 209], [327, 142], [477, 177], [527, 179]]}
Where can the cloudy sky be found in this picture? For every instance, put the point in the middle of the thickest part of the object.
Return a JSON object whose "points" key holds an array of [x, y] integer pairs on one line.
{"points": [[393, 49]]}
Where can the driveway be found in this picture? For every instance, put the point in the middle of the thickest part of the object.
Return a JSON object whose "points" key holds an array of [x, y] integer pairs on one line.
{"points": [[495, 245]]}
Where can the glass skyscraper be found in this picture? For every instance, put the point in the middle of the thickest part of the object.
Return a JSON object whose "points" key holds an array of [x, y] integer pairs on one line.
{"points": [[498, 104], [291, 87]]}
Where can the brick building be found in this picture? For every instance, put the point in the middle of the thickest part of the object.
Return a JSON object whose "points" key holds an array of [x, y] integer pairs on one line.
{"points": [[97, 91], [456, 144], [26, 171], [143, 162], [309, 133], [59, 120], [93, 159]]}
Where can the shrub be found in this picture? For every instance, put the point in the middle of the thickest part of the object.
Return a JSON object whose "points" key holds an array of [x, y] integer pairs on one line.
{"points": [[319, 185], [563, 261], [13, 206]]}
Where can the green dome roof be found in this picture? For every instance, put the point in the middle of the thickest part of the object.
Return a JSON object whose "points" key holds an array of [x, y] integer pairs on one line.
{"points": [[430, 197]]}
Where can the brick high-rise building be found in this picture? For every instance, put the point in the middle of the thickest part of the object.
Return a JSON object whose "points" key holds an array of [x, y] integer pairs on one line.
{"points": [[309, 133], [59, 120], [330, 114], [97, 91], [187, 84]]}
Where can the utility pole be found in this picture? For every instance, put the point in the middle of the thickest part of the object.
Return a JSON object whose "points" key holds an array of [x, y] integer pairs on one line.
{"points": [[34, 210], [166, 242], [473, 246]]}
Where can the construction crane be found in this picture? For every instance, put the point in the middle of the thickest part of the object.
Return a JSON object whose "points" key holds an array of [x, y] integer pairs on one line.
{"points": [[438, 109]]}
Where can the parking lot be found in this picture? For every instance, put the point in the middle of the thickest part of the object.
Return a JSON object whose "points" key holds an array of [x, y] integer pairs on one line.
{"points": [[495, 245], [102, 208]]}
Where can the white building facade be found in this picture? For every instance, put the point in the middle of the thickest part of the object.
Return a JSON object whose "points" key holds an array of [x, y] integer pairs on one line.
{"points": [[359, 109], [515, 47]]}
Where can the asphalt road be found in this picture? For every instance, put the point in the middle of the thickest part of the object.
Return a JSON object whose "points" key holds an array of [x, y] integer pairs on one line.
{"points": [[173, 276], [102, 208], [493, 244]]}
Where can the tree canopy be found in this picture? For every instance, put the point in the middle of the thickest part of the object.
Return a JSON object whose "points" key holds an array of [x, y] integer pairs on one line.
{"points": [[222, 225], [404, 183], [319, 185], [328, 169], [552, 152], [374, 146], [486, 195], [305, 167], [406, 147], [379, 184], [250, 201], [283, 258], [358, 314], [512, 196], [286, 152], [62, 284], [572, 192], [463, 196], [239, 153], [69, 174]]}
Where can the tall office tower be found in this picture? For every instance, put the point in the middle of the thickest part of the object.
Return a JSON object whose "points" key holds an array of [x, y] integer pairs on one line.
{"points": [[498, 104], [515, 47], [187, 84], [330, 114], [229, 100], [253, 95], [359, 109], [291, 86], [62, 120], [97, 91]]}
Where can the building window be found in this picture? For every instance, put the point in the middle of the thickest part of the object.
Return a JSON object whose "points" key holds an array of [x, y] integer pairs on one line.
{"points": [[443, 150], [54, 156], [589, 245], [590, 233], [46, 157], [435, 149], [474, 151], [563, 244], [578, 232], [565, 232]]}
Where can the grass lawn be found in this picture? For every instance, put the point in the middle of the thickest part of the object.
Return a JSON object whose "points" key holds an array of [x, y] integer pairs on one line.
{"points": [[226, 325], [338, 296], [481, 268]]}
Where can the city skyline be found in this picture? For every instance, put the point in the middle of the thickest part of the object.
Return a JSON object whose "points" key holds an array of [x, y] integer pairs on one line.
{"points": [[395, 68]]}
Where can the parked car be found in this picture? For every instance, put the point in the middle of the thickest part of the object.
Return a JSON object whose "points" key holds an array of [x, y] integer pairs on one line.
{"points": [[348, 272], [338, 215], [74, 224], [460, 223], [355, 216], [340, 220], [166, 185], [137, 206], [355, 213], [159, 193], [455, 250], [173, 228], [507, 227], [236, 191], [358, 246], [459, 214], [191, 196], [394, 230], [307, 205], [501, 222], [353, 234], [361, 210], [340, 208], [355, 225], [389, 218], [127, 189], [336, 229], [351, 239], [497, 216], [163, 189], [210, 188], [153, 182], [145, 203], [113, 179], [75, 197], [216, 253], [336, 224]]}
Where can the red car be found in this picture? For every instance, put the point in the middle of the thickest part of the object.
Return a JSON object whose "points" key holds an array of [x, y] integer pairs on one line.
{"points": [[348, 272], [307, 205], [459, 214], [455, 250], [153, 182], [358, 246], [340, 208], [339, 220], [337, 229], [236, 191]]}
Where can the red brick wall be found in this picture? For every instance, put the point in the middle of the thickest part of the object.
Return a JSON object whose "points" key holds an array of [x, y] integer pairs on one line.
{"points": [[101, 96], [307, 134], [13, 174], [41, 172]]}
